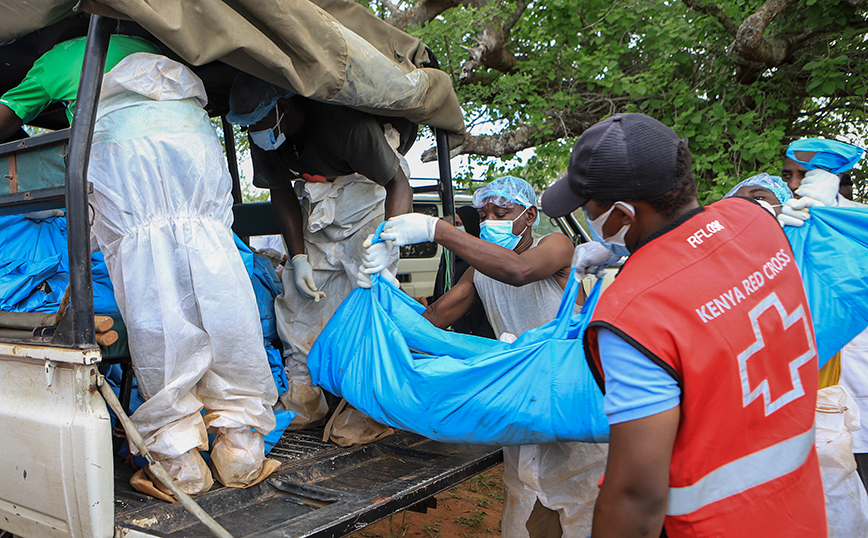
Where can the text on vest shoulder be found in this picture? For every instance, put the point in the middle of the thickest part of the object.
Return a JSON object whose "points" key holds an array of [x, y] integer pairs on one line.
{"points": [[700, 235], [749, 285]]}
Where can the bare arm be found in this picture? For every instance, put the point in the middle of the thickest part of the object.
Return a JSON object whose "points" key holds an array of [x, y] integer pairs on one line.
{"points": [[552, 255], [632, 502], [9, 122], [399, 195], [288, 213], [454, 303]]}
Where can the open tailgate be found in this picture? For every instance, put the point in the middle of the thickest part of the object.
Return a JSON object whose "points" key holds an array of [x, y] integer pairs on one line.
{"points": [[320, 490]]}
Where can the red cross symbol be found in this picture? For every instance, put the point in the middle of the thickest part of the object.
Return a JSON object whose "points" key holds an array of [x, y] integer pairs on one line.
{"points": [[795, 346]]}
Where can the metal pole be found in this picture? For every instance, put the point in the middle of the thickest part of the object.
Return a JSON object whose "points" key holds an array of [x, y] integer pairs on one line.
{"points": [[80, 138], [446, 195], [232, 160]]}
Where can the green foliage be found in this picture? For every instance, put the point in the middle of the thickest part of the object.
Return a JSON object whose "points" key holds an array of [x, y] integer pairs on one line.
{"points": [[584, 60]]}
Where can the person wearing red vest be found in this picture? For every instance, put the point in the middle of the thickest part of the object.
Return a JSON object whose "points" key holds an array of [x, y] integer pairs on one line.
{"points": [[703, 346]]}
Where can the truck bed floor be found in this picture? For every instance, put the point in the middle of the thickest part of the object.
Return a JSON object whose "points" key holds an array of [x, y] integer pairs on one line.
{"points": [[320, 490]]}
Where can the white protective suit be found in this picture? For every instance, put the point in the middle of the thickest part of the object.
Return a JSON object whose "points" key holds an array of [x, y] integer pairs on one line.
{"points": [[854, 369], [337, 218], [846, 500], [561, 476], [162, 218]]}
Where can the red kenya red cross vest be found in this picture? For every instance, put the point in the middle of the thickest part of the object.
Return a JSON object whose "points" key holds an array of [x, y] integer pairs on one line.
{"points": [[718, 302]]}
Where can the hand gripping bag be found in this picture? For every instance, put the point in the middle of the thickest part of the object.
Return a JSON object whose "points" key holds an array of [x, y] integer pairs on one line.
{"points": [[385, 359]]}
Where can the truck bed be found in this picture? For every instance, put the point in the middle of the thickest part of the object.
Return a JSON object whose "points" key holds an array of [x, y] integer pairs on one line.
{"points": [[320, 490]]}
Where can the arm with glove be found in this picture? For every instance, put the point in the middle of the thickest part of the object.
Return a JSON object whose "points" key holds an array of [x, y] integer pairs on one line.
{"points": [[549, 256], [818, 188], [288, 213]]}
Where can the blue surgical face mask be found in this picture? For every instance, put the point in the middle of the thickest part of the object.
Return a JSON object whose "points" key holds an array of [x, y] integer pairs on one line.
{"points": [[461, 228], [615, 244], [266, 139], [500, 233]]}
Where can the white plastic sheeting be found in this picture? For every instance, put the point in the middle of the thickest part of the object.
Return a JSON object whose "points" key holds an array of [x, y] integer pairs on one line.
{"points": [[854, 378], [162, 216], [562, 476], [846, 499]]}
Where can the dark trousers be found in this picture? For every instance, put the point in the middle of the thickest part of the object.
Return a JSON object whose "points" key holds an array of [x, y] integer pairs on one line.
{"points": [[862, 468]]}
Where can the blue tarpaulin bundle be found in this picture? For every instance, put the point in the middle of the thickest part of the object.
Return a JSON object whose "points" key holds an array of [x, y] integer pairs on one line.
{"points": [[34, 267], [266, 286], [831, 250], [389, 362]]}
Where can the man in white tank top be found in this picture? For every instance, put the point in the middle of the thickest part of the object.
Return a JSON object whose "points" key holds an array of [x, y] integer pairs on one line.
{"points": [[550, 489]]}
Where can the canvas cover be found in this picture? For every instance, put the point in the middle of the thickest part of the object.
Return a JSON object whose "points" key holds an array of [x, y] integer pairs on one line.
{"points": [[329, 50]]}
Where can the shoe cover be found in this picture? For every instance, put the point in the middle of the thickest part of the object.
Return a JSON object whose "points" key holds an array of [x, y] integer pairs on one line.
{"points": [[351, 427], [189, 471], [303, 397], [238, 455]]}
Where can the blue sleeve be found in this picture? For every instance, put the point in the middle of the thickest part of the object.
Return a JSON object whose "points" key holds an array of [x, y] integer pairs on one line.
{"points": [[635, 386]]}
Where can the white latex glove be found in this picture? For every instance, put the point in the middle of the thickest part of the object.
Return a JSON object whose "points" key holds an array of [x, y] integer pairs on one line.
{"points": [[379, 256], [820, 185], [409, 229], [508, 338], [303, 274], [590, 259], [796, 211], [363, 279]]}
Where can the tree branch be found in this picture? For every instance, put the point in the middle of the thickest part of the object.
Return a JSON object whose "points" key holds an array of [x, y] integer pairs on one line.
{"points": [[421, 12], [715, 11], [491, 51], [589, 26], [751, 45], [392, 8], [560, 124]]}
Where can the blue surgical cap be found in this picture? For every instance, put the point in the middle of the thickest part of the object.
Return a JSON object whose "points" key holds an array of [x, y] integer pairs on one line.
{"points": [[832, 156], [772, 183], [505, 192], [251, 99]]}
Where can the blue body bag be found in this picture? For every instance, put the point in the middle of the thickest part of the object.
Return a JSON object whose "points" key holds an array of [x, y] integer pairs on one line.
{"points": [[392, 364], [34, 267], [831, 251]]}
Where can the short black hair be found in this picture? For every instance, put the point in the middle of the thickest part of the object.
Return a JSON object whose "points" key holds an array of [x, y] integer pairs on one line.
{"points": [[671, 201], [846, 179]]}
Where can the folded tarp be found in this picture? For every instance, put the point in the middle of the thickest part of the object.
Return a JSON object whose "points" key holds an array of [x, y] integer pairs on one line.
{"points": [[34, 267], [831, 250], [385, 359], [333, 51]]}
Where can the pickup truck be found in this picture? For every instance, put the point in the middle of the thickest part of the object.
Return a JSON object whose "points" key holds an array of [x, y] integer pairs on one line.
{"points": [[59, 476]]}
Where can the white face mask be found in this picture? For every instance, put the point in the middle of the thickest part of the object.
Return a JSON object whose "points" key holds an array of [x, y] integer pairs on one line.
{"points": [[768, 207], [266, 139], [616, 243]]}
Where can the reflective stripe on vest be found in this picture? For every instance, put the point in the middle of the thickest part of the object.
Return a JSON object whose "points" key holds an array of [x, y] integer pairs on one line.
{"points": [[742, 474]]}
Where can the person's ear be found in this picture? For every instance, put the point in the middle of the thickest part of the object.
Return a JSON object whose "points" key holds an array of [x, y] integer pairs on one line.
{"points": [[627, 218], [282, 106], [531, 214]]}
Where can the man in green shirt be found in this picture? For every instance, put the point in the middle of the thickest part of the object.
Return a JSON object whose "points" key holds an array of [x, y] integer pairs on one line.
{"points": [[54, 77]]}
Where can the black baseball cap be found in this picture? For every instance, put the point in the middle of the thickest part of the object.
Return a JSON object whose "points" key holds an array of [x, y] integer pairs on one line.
{"points": [[625, 157]]}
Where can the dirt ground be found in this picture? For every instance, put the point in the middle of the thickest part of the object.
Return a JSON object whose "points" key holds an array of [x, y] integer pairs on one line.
{"points": [[470, 510]]}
